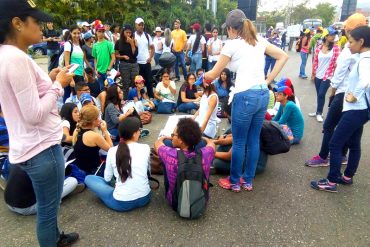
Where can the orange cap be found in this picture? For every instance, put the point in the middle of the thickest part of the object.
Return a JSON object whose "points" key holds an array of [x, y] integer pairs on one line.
{"points": [[354, 21]]}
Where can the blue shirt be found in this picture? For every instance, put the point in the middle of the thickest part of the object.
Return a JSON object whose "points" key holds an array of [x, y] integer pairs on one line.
{"points": [[221, 91], [133, 93], [4, 137], [291, 115]]}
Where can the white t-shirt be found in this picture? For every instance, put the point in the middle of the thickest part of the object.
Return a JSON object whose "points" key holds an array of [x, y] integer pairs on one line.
{"points": [[167, 48], [323, 63], [143, 47], [138, 185], [165, 92], [156, 42], [211, 128], [216, 48], [247, 61], [191, 41]]}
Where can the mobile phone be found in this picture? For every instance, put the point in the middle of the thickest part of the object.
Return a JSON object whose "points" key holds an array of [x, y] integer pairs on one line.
{"points": [[73, 68]]}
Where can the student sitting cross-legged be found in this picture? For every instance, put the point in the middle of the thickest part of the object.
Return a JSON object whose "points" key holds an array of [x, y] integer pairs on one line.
{"points": [[128, 163]]}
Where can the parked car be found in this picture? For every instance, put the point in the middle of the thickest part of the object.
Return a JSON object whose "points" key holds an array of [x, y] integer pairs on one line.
{"points": [[39, 49]]}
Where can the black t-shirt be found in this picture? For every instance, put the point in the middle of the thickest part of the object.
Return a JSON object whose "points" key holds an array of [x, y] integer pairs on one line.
{"points": [[189, 93], [126, 50], [19, 192], [52, 45], [88, 51]]}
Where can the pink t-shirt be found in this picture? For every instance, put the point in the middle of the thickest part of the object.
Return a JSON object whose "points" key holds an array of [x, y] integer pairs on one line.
{"points": [[28, 100]]}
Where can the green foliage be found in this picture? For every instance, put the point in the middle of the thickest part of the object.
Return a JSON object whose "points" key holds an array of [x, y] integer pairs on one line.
{"points": [[154, 12]]}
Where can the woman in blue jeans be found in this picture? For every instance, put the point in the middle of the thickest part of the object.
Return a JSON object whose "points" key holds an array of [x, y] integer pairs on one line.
{"points": [[355, 116], [28, 100], [244, 54], [128, 163]]}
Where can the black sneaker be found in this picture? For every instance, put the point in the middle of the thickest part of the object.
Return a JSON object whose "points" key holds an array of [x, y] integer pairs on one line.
{"points": [[67, 239], [344, 181]]}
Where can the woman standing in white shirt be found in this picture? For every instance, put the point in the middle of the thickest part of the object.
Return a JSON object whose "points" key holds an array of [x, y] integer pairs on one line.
{"points": [[158, 44], [355, 115], [128, 163], [214, 46], [244, 54]]}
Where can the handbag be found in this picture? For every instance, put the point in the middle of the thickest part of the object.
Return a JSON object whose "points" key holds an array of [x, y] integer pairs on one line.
{"points": [[156, 164]]}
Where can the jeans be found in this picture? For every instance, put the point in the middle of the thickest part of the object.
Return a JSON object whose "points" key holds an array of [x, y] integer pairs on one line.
{"points": [[331, 121], [269, 64], [128, 72], [180, 60], [156, 58], [46, 171], [187, 107], [302, 70], [145, 70], [283, 44], [348, 131], [105, 192], [248, 112], [164, 107], [101, 78], [196, 62], [321, 89], [211, 65], [53, 59]]}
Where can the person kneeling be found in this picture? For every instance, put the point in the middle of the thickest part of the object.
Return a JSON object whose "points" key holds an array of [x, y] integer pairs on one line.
{"points": [[128, 163]]}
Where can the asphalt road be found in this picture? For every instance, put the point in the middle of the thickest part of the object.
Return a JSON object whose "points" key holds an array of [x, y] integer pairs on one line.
{"points": [[281, 211]]}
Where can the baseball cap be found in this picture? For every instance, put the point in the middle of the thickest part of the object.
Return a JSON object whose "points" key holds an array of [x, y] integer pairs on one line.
{"points": [[320, 28], [108, 82], [354, 21], [87, 35], [17, 8], [285, 90], [196, 26], [85, 97], [139, 20], [284, 82], [139, 78], [99, 27], [127, 27], [234, 18], [85, 23], [307, 31], [328, 31]]}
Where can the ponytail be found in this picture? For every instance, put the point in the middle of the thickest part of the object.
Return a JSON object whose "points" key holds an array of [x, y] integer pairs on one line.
{"points": [[123, 160], [248, 32], [291, 98]]}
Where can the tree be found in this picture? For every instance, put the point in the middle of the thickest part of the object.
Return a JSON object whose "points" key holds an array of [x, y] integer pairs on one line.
{"points": [[326, 12]]}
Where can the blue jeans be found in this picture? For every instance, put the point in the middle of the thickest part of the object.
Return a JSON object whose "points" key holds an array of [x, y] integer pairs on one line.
{"points": [[331, 121], [46, 171], [302, 70], [248, 112], [164, 107], [101, 78], [156, 58], [321, 89], [180, 60], [53, 59], [211, 65], [269, 64], [105, 192], [348, 131], [196, 62], [187, 107]]}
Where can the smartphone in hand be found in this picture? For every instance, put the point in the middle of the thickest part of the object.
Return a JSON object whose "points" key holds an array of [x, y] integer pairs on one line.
{"points": [[73, 68]]}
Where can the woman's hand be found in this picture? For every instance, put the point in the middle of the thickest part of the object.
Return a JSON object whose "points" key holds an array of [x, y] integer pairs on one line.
{"points": [[53, 74], [350, 98], [64, 77], [130, 111], [103, 126], [125, 57]]}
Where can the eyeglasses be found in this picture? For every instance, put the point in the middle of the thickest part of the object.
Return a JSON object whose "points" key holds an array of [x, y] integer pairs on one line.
{"points": [[173, 134]]}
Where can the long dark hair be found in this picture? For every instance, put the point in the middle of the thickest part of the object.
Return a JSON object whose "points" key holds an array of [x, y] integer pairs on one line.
{"points": [[74, 27], [187, 79], [197, 41], [127, 128], [308, 36], [331, 44], [228, 79], [113, 96], [66, 114], [208, 90], [122, 40]]}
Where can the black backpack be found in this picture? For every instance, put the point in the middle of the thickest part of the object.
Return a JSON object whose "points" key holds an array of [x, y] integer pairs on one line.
{"points": [[190, 195], [273, 139]]}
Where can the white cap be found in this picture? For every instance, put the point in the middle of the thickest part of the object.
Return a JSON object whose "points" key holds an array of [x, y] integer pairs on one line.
{"points": [[139, 20], [158, 29], [85, 23]]}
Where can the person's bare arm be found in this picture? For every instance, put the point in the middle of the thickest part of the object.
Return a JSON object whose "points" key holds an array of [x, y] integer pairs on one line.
{"points": [[211, 106]]}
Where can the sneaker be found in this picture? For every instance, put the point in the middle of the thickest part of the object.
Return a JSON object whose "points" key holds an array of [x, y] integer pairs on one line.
{"points": [[344, 160], [317, 161], [323, 184], [345, 181], [225, 184], [246, 186], [319, 118], [304, 77], [144, 133], [67, 239], [312, 114]]}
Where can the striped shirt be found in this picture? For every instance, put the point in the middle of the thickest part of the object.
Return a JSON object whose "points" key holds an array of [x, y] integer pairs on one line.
{"points": [[333, 62]]}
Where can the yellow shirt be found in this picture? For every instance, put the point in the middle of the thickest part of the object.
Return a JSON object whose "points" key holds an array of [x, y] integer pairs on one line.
{"points": [[179, 40]]}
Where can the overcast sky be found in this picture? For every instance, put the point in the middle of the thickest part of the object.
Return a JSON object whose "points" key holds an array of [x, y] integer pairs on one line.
{"points": [[269, 5]]}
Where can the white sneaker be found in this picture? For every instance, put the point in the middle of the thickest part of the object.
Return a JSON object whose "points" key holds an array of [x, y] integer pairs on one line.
{"points": [[312, 114], [319, 118]]}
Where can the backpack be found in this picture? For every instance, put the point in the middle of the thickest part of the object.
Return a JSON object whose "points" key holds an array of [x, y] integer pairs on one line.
{"points": [[190, 195], [60, 59], [273, 139], [298, 45]]}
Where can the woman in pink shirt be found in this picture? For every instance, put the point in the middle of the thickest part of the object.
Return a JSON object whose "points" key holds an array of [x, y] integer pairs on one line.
{"points": [[28, 99]]}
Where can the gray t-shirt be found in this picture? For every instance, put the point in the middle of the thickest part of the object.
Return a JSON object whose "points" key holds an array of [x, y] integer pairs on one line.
{"points": [[111, 116]]}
